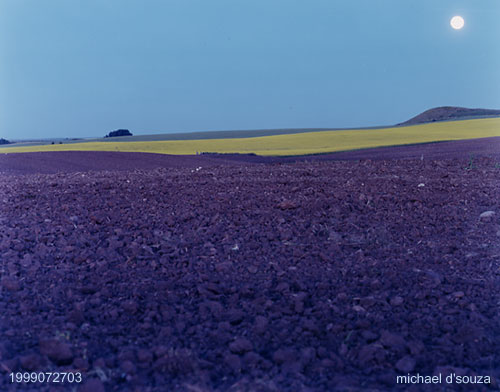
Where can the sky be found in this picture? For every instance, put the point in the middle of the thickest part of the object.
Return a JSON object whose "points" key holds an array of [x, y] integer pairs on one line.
{"points": [[82, 68]]}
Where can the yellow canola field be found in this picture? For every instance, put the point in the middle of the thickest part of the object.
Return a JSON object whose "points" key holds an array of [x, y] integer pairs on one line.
{"points": [[296, 144]]}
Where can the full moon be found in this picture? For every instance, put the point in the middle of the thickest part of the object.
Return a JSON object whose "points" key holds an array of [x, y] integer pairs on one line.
{"points": [[457, 22]]}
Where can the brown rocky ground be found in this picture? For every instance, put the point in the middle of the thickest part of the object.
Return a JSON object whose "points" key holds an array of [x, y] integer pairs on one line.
{"points": [[290, 276]]}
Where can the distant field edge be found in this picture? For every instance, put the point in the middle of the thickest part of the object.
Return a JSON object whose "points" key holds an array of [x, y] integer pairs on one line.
{"points": [[297, 144]]}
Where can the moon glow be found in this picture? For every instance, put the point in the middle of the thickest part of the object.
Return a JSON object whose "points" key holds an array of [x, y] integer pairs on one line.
{"points": [[457, 22]]}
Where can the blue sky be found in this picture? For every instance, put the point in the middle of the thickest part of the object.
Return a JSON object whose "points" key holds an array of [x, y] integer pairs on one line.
{"points": [[78, 68]]}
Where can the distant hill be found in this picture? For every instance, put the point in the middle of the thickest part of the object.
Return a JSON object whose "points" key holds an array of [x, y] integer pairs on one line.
{"points": [[446, 113]]}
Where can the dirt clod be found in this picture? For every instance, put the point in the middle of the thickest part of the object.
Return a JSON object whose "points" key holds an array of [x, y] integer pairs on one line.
{"points": [[57, 351]]}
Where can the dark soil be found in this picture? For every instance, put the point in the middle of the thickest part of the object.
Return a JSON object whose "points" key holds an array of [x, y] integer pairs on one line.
{"points": [[305, 276]]}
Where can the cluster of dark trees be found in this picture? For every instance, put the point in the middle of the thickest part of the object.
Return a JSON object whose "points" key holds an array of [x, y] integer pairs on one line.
{"points": [[4, 141], [119, 132]]}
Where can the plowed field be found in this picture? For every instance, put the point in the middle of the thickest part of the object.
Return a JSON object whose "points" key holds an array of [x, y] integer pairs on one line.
{"points": [[315, 275]]}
